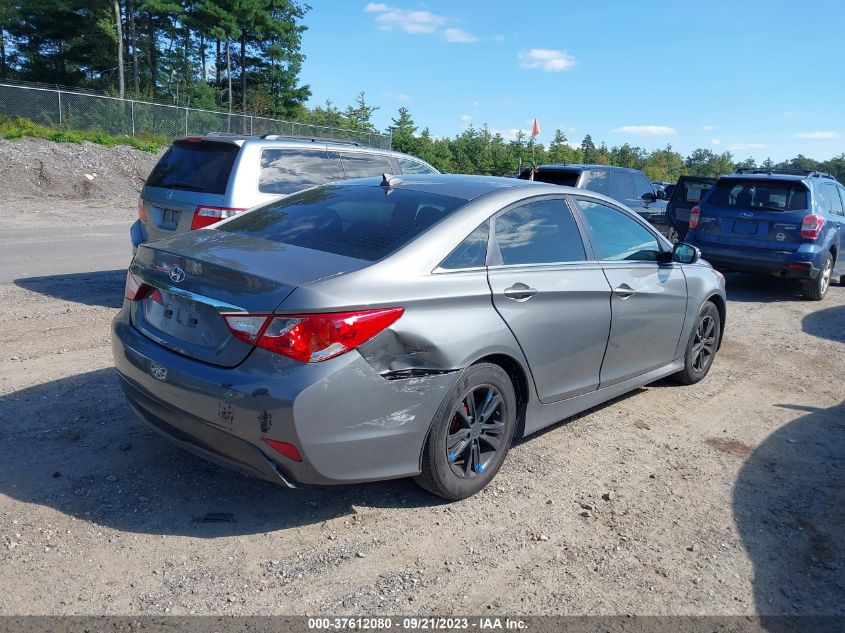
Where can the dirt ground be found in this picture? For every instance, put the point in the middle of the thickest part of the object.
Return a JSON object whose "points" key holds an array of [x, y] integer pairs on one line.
{"points": [[727, 497]]}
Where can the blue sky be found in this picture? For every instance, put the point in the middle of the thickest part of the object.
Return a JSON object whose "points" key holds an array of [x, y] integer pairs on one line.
{"points": [[751, 77]]}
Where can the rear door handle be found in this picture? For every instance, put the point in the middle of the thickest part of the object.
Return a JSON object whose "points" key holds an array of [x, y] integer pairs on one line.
{"points": [[624, 291], [520, 292]]}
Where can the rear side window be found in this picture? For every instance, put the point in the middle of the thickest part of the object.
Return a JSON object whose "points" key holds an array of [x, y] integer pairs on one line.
{"points": [[471, 253], [829, 199], [750, 194], [362, 165], [541, 232], [202, 166], [616, 236], [597, 180], [622, 186], [362, 222], [285, 171], [414, 167]]}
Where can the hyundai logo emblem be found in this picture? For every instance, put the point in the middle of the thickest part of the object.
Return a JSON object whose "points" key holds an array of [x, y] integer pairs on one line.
{"points": [[177, 274]]}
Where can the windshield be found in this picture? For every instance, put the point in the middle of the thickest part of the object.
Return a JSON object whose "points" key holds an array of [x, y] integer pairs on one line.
{"points": [[772, 195], [202, 166], [354, 221]]}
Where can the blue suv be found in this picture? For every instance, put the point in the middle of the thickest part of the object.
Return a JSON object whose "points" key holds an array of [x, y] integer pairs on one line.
{"points": [[788, 223]]}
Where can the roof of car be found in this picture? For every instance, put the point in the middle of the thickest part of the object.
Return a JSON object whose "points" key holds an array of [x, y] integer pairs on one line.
{"points": [[290, 141], [581, 166], [460, 186]]}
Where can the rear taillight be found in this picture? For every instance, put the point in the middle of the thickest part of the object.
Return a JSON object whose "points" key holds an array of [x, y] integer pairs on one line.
{"points": [[694, 214], [135, 290], [812, 225], [142, 210], [206, 216], [311, 338]]}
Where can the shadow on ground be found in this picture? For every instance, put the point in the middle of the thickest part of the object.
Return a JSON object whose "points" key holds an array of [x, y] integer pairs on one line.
{"points": [[74, 445], [826, 323], [103, 288], [761, 288], [789, 506]]}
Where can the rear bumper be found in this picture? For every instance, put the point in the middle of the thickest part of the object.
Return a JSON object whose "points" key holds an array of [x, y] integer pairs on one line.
{"points": [[792, 264], [349, 423]]}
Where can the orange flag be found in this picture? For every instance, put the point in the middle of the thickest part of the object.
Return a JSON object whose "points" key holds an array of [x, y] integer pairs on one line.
{"points": [[536, 130]]}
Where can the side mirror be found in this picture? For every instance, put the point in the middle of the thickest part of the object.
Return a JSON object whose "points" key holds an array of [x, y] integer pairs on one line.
{"points": [[649, 196], [685, 253], [661, 194], [670, 189]]}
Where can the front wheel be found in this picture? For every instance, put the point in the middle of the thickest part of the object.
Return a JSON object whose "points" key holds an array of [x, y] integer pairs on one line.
{"points": [[816, 289], [471, 434], [701, 346]]}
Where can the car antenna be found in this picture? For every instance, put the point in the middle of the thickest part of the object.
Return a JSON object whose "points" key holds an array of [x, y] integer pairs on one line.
{"points": [[389, 181]]}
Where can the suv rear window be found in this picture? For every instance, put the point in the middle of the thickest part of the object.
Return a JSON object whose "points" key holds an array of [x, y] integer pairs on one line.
{"points": [[286, 171], [362, 222], [770, 195], [691, 191], [202, 166]]}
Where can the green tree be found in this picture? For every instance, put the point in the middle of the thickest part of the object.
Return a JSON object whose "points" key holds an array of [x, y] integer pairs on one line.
{"points": [[403, 131]]}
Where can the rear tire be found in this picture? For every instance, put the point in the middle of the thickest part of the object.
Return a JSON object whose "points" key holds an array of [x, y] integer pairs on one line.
{"points": [[816, 289], [470, 435], [701, 346]]}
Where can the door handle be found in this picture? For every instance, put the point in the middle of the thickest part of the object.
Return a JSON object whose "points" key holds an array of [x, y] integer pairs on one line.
{"points": [[520, 292], [624, 291]]}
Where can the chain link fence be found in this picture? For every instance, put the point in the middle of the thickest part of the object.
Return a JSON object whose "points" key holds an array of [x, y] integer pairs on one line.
{"points": [[71, 110]]}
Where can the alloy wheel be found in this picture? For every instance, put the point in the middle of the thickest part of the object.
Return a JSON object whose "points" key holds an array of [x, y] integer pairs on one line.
{"points": [[825, 280], [704, 344], [476, 431]]}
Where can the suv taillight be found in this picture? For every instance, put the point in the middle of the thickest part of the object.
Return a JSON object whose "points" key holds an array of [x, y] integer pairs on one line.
{"points": [[206, 216], [142, 210], [812, 225], [311, 338], [694, 214]]}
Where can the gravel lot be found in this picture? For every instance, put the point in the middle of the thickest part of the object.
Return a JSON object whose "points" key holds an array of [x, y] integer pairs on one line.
{"points": [[727, 497]]}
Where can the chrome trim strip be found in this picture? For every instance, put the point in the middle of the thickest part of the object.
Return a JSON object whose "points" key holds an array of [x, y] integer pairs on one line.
{"points": [[221, 306]]}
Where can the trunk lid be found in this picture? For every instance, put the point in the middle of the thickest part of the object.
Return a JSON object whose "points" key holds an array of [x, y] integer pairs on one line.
{"points": [[756, 213], [200, 276]]}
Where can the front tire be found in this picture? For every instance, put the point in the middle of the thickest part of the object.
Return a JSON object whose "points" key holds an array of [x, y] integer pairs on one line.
{"points": [[471, 434], [701, 346], [816, 289]]}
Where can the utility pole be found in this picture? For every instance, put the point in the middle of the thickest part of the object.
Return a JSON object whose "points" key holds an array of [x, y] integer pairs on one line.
{"points": [[119, 46]]}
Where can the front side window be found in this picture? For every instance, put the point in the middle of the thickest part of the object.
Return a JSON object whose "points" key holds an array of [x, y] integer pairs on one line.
{"points": [[642, 185], [471, 253], [616, 236], [285, 171], [414, 167], [542, 232], [622, 187], [363, 165]]}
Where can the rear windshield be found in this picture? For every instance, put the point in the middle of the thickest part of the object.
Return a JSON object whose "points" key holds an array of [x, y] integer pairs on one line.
{"points": [[202, 166], [286, 171], [553, 177], [772, 195], [361, 222]]}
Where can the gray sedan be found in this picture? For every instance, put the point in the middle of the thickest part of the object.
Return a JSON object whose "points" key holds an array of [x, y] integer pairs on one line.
{"points": [[393, 327]]}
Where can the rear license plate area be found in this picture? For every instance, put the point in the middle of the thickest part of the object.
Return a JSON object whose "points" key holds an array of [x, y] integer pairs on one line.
{"points": [[745, 227], [171, 314], [169, 218]]}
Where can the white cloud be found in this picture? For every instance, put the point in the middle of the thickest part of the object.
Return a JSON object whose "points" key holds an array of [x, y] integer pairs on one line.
{"points": [[708, 128], [399, 96], [715, 141], [817, 135], [511, 134], [546, 59], [458, 36], [466, 120], [647, 130], [413, 22], [742, 146], [476, 103]]}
